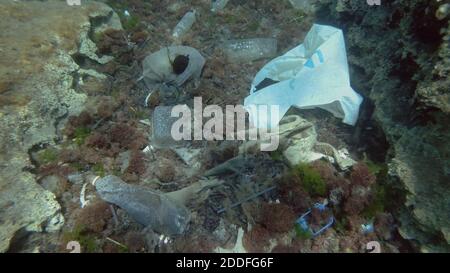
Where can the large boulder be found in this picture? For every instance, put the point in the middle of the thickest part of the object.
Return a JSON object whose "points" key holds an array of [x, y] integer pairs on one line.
{"points": [[399, 59], [37, 42]]}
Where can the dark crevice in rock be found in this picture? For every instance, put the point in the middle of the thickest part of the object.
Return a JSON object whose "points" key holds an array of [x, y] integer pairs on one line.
{"points": [[75, 80], [57, 121], [84, 61], [34, 149], [18, 241], [96, 22], [426, 28], [369, 135]]}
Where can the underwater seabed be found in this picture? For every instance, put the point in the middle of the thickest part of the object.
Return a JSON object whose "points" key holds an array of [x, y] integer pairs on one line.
{"points": [[85, 168]]}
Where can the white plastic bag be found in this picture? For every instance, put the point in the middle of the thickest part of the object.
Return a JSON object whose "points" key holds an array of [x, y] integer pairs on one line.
{"points": [[313, 74]]}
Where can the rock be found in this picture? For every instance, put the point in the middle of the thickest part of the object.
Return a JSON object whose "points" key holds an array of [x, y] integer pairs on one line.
{"points": [[30, 212], [54, 184], [123, 160], [38, 40], [92, 82], [427, 204], [411, 105], [55, 223]]}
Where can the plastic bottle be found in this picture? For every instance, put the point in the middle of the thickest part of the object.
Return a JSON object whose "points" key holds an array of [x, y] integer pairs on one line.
{"points": [[149, 208], [218, 5], [247, 50], [184, 25]]}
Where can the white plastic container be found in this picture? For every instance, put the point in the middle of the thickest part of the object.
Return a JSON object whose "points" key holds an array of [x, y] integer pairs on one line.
{"points": [[184, 25], [218, 5], [247, 50]]}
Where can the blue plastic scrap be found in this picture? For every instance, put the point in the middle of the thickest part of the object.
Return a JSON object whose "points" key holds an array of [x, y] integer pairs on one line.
{"points": [[303, 220], [367, 228]]}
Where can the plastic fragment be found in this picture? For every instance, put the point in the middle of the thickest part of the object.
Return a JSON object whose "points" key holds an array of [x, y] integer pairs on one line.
{"points": [[218, 5], [247, 50], [304, 224], [367, 228]]}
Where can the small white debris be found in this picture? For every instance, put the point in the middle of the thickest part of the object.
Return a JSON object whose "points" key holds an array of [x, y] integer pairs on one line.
{"points": [[82, 196], [95, 180], [145, 122], [146, 149]]}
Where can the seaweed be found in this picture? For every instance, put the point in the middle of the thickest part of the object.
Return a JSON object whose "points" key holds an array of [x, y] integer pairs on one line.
{"points": [[80, 135], [310, 179], [131, 22], [257, 239], [88, 242], [301, 233], [378, 204], [99, 169], [49, 155], [277, 218]]}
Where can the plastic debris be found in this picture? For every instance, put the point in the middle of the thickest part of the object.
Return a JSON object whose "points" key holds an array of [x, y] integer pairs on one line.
{"points": [[194, 193], [218, 5], [305, 225], [302, 138], [313, 74], [343, 159], [367, 228], [149, 208], [83, 200], [247, 50], [233, 165], [162, 127], [307, 6], [184, 25], [238, 246], [148, 97], [160, 67], [191, 157], [249, 198]]}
